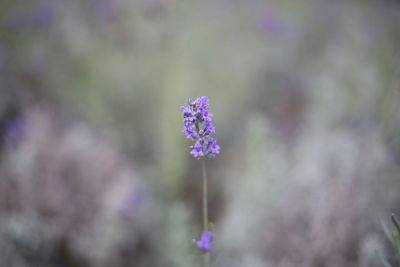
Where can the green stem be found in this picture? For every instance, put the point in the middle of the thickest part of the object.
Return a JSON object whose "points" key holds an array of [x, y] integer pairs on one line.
{"points": [[205, 211], [206, 259]]}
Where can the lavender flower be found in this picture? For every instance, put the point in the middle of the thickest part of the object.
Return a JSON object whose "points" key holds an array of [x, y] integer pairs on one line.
{"points": [[14, 130], [205, 242], [198, 127]]}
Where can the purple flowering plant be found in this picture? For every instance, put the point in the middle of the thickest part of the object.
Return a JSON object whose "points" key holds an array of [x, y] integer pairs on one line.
{"points": [[205, 243], [14, 130], [198, 128]]}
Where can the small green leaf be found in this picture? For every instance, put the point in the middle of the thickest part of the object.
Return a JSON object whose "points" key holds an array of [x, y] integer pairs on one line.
{"points": [[396, 222]]}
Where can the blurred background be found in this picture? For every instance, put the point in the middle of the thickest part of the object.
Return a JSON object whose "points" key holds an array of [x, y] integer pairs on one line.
{"points": [[94, 170]]}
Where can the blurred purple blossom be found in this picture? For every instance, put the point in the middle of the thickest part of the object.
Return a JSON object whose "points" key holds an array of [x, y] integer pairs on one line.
{"points": [[43, 15], [198, 127], [38, 18], [271, 25], [14, 130], [135, 200], [205, 242]]}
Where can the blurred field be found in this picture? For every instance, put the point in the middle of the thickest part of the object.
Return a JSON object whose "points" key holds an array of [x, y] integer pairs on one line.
{"points": [[94, 170]]}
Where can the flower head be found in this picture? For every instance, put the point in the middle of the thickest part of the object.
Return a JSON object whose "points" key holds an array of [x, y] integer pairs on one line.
{"points": [[198, 127], [205, 242]]}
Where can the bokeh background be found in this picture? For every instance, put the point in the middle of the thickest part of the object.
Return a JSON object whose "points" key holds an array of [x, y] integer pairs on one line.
{"points": [[94, 170]]}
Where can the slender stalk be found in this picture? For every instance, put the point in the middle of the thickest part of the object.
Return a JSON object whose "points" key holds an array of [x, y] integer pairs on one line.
{"points": [[205, 211], [207, 259]]}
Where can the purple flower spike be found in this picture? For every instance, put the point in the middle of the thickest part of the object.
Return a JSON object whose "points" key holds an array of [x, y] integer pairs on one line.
{"points": [[205, 242], [198, 127]]}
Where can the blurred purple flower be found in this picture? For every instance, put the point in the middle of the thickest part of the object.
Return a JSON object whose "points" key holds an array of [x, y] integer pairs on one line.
{"points": [[38, 18], [134, 201], [14, 130], [205, 242], [271, 25], [43, 15], [198, 127]]}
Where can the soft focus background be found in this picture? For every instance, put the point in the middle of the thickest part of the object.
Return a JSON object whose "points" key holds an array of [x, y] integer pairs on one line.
{"points": [[94, 170]]}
